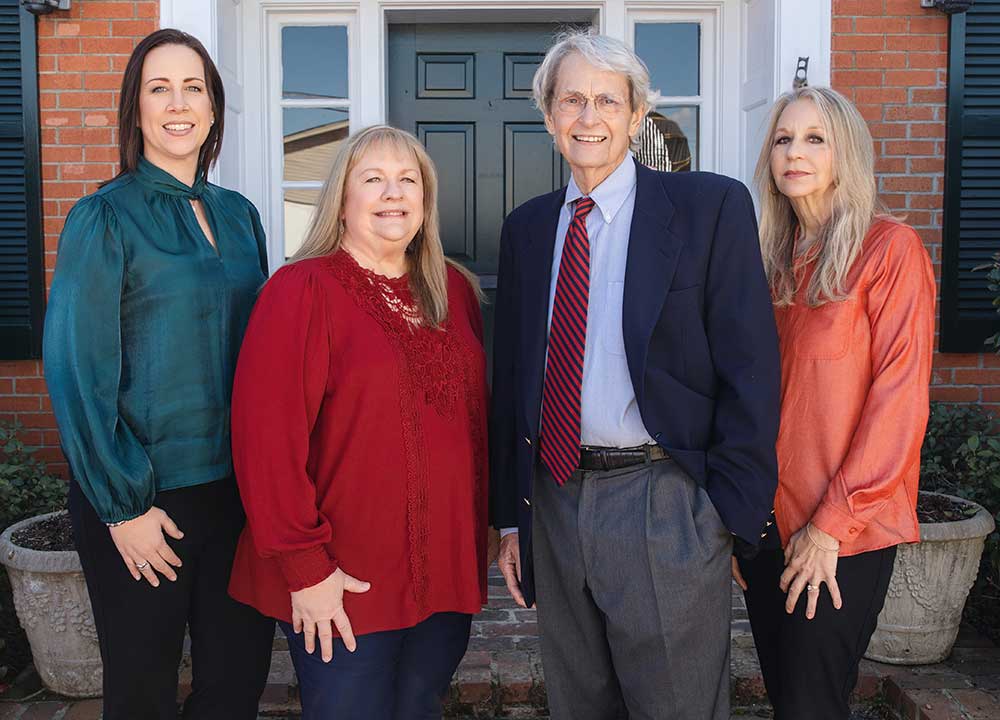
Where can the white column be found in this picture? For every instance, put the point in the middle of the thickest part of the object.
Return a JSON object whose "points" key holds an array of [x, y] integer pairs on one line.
{"points": [[803, 30], [196, 17], [368, 50]]}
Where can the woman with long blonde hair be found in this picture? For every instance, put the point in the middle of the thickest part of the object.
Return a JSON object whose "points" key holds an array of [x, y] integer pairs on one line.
{"points": [[854, 293], [359, 438]]}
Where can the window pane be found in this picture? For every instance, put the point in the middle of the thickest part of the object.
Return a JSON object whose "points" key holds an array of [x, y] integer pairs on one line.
{"points": [[299, 207], [313, 62], [312, 137], [669, 139], [672, 52]]}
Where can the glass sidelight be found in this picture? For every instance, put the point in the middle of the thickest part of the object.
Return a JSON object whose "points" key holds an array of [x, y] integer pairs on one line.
{"points": [[315, 118], [675, 53]]}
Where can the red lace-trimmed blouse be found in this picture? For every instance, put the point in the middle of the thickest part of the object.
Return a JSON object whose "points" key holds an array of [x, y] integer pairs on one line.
{"points": [[359, 441]]}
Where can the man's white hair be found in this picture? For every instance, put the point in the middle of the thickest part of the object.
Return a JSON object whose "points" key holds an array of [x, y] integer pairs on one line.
{"points": [[600, 51]]}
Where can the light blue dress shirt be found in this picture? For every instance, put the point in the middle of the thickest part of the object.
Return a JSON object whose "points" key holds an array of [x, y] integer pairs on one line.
{"points": [[609, 412]]}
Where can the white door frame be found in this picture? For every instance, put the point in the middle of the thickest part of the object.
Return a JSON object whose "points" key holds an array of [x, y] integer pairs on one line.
{"points": [[799, 29]]}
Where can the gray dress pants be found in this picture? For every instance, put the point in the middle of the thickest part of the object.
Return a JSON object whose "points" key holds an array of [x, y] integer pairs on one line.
{"points": [[632, 576]]}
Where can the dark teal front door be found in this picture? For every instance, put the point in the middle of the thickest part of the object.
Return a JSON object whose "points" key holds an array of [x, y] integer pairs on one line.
{"points": [[465, 91]]}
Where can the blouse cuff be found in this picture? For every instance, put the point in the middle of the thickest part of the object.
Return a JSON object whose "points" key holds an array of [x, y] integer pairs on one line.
{"points": [[305, 568], [119, 516], [834, 521]]}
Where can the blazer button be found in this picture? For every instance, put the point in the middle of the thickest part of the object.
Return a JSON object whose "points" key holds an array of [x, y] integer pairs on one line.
{"points": [[527, 502], [527, 439]]}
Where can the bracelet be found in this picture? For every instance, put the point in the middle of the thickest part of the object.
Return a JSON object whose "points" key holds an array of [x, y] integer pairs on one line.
{"points": [[813, 540], [116, 524]]}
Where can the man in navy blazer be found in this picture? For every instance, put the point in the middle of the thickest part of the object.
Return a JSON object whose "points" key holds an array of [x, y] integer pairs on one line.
{"points": [[635, 405]]}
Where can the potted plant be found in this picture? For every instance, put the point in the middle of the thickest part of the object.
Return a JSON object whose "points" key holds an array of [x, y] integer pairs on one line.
{"points": [[931, 579], [49, 592]]}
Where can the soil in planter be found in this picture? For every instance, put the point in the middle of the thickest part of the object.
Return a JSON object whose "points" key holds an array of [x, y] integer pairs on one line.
{"points": [[53, 534], [938, 509]]}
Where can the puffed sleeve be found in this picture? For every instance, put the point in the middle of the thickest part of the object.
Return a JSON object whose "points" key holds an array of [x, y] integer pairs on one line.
{"points": [[281, 378], [900, 309], [83, 365]]}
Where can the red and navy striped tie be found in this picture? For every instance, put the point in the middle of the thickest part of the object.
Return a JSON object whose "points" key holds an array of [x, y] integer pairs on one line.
{"points": [[560, 436]]}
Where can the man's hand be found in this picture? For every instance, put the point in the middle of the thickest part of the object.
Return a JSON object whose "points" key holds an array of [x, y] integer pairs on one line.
{"points": [[143, 548], [492, 545], [509, 562], [314, 607], [738, 575]]}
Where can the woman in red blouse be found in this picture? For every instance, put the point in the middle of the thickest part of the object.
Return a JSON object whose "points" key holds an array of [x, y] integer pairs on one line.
{"points": [[853, 291], [359, 440]]}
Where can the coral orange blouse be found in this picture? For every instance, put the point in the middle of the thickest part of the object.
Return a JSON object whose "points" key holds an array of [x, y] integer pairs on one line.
{"points": [[854, 397]]}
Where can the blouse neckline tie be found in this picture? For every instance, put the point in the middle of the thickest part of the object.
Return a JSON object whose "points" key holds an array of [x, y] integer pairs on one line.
{"points": [[158, 179]]}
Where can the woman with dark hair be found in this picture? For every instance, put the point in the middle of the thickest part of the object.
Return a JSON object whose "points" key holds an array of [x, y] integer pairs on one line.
{"points": [[157, 274]]}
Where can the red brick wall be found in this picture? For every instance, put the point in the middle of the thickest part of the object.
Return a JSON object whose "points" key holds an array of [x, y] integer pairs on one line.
{"points": [[81, 54], [891, 58]]}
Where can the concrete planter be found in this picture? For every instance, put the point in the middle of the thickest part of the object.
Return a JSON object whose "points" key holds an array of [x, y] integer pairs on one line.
{"points": [[50, 596], [930, 582]]}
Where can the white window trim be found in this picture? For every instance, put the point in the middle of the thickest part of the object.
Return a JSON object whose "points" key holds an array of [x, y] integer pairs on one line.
{"points": [[719, 81]]}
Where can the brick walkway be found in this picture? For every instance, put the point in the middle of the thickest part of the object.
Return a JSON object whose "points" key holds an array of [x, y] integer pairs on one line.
{"points": [[501, 675]]}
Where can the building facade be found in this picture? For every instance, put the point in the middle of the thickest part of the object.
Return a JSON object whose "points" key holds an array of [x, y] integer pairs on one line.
{"points": [[300, 75]]}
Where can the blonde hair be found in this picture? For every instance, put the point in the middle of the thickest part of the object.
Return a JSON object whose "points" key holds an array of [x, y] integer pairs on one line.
{"points": [[428, 267], [855, 201]]}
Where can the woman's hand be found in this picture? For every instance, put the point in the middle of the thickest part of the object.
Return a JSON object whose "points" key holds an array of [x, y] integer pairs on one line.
{"points": [[810, 560], [143, 548], [314, 607]]}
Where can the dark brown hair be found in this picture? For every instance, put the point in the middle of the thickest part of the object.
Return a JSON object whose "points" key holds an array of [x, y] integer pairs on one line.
{"points": [[130, 143]]}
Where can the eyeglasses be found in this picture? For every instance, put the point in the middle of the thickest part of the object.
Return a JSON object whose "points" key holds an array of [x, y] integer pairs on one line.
{"points": [[606, 106]]}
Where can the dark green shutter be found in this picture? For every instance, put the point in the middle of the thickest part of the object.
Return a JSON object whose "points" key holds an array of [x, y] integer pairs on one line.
{"points": [[22, 273], [972, 178]]}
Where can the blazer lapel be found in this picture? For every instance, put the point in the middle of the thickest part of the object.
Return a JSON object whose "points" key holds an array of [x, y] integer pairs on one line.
{"points": [[653, 251], [536, 271]]}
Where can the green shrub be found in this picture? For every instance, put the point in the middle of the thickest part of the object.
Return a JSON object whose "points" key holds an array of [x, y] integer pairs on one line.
{"points": [[25, 488], [961, 456]]}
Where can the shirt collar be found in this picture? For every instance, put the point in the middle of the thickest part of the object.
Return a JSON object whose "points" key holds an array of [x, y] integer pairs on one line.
{"points": [[611, 194], [158, 179]]}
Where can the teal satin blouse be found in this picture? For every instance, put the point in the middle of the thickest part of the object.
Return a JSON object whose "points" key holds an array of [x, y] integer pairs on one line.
{"points": [[143, 327]]}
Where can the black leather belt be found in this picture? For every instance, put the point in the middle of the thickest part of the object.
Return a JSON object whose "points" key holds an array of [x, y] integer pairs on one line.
{"points": [[603, 458]]}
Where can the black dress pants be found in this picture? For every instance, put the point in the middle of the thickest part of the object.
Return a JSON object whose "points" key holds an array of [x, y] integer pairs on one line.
{"points": [[141, 628], [810, 667]]}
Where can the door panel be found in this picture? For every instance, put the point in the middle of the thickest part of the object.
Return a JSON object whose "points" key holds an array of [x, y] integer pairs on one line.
{"points": [[531, 167], [452, 147]]}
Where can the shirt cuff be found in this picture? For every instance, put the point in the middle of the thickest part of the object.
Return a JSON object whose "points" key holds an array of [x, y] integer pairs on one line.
{"points": [[305, 568], [504, 532], [834, 521]]}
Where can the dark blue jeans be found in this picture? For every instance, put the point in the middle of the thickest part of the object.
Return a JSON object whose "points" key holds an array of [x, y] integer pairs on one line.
{"points": [[393, 675]]}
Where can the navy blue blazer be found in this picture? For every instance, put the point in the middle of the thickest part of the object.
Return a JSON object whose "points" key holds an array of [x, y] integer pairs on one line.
{"points": [[700, 341]]}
